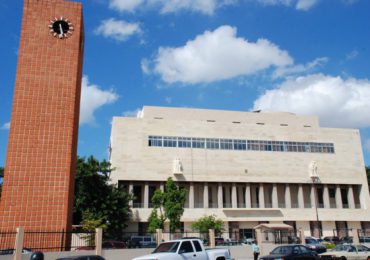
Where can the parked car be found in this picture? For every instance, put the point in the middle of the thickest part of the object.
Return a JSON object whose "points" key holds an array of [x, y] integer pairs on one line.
{"points": [[183, 249], [331, 239], [10, 251], [344, 251], [142, 241], [219, 241], [314, 245], [82, 257], [248, 241], [289, 252], [346, 240], [112, 244]]}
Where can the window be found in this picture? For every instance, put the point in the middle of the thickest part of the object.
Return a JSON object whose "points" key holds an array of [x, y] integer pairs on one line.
{"points": [[226, 144], [213, 143], [197, 246], [198, 143], [240, 145], [184, 142], [186, 247], [169, 141], [155, 140]]}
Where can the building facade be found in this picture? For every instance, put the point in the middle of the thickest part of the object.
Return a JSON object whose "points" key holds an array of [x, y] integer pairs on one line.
{"points": [[244, 167]]}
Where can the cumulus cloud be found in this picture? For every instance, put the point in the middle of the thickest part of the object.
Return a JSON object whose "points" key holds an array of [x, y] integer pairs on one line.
{"points": [[216, 55], [118, 29], [303, 5], [170, 6], [338, 102], [300, 68], [5, 126], [92, 98]]}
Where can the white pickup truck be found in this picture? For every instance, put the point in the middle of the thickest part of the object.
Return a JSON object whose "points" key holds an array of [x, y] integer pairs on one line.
{"points": [[186, 249]]}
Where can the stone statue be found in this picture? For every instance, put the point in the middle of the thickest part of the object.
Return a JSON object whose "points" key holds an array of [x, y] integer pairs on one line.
{"points": [[177, 166], [313, 171]]}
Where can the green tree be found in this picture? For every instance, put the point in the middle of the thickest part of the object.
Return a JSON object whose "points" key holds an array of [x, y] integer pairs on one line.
{"points": [[98, 203], [1, 179], [208, 222], [170, 204]]}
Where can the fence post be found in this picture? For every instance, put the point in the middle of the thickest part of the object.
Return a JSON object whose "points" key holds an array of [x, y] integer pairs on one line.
{"points": [[98, 241], [159, 235], [259, 240], [212, 242], [19, 244]]}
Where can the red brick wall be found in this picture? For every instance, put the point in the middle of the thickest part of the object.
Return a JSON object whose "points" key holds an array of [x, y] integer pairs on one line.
{"points": [[40, 164]]}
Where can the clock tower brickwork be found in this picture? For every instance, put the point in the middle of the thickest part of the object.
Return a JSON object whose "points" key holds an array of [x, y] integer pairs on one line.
{"points": [[41, 157]]}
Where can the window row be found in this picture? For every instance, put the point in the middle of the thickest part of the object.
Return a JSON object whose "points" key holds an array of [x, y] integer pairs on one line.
{"points": [[236, 144]]}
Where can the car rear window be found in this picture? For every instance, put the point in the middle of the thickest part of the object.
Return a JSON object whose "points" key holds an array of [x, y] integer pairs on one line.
{"points": [[282, 250]]}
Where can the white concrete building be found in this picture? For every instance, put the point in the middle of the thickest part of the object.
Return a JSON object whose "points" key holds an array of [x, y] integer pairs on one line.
{"points": [[244, 167]]}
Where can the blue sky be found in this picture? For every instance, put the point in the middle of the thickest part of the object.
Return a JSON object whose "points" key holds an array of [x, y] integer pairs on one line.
{"points": [[301, 56]]}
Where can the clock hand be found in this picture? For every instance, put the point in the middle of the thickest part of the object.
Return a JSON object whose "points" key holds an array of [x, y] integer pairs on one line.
{"points": [[61, 29]]}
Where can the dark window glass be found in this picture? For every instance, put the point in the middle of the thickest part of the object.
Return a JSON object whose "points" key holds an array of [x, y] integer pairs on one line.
{"points": [[197, 246], [186, 247]]}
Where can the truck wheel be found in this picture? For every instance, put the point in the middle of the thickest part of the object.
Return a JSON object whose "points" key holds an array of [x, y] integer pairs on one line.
{"points": [[343, 258], [220, 258]]}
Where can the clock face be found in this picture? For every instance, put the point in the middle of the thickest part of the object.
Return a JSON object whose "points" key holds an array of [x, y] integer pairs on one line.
{"points": [[61, 28]]}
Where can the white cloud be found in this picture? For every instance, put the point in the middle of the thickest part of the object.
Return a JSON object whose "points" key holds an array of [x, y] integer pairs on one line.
{"points": [[305, 5], [217, 55], [302, 5], [125, 5], [352, 55], [300, 68], [6, 126], [338, 102], [132, 113], [92, 98], [170, 6], [118, 29]]}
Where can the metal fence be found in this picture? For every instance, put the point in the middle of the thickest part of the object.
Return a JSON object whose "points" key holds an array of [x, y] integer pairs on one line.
{"points": [[280, 237], [50, 240]]}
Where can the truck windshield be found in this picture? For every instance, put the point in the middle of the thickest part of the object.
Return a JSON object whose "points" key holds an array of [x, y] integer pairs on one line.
{"points": [[169, 247]]}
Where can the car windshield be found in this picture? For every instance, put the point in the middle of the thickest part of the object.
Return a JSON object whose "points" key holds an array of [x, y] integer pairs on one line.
{"points": [[169, 247], [282, 250], [311, 241]]}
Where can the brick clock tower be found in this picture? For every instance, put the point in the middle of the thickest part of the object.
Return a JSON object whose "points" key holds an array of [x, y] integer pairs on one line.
{"points": [[41, 157]]}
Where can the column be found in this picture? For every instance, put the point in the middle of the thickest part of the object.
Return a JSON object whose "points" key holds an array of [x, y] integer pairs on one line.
{"points": [[248, 203], [191, 195], [146, 195], [161, 186], [227, 196], [261, 196], [234, 202], [351, 198], [220, 201], [288, 200], [338, 197], [326, 197], [313, 196], [205, 196], [130, 191], [275, 202], [300, 196]]}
